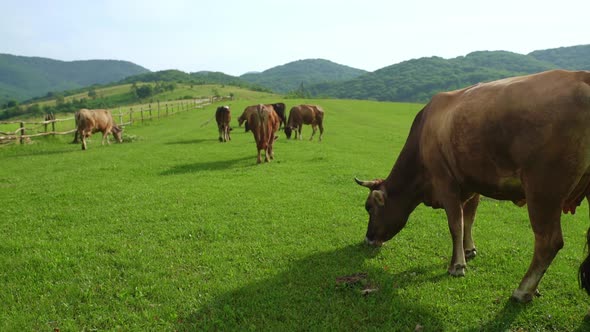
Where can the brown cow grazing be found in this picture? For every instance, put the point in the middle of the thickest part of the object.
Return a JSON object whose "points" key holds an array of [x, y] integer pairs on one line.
{"points": [[243, 119], [524, 139], [223, 118], [305, 114], [279, 109], [263, 122], [91, 121]]}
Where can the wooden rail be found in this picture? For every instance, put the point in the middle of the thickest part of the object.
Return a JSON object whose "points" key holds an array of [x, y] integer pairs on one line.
{"points": [[136, 113]]}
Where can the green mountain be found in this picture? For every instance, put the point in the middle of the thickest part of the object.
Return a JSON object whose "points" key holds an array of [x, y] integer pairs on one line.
{"points": [[22, 77], [573, 58], [198, 78], [417, 80], [291, 76]]}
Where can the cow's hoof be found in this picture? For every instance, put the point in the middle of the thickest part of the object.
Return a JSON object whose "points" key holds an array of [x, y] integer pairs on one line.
{"points": [[521, 297], [470, 253], [457, 270]]}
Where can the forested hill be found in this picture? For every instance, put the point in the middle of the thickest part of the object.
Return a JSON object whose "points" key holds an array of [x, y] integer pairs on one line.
{"points": [[290, 76], [573, 58], [202, 77], [417, 80], [27, 77]]}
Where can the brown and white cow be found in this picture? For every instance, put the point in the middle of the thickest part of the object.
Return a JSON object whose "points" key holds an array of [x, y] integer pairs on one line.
{"points": [[223, 118], [305, 114], [92, 121], [524, 139], [263, 123], [279, 109]]}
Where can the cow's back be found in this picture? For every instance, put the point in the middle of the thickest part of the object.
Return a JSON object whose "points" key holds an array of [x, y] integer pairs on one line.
{"points": [[85, 119], [488, 134]]}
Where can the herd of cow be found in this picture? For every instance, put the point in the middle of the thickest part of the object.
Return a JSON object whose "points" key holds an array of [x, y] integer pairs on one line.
{"points": [[264, 120], [525, 139]]}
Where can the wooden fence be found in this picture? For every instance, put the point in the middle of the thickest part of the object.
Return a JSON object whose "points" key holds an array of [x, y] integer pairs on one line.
{"points": [[125, 116]]}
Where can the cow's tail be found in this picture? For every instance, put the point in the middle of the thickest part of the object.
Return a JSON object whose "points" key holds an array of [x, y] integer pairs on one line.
{"points": [[584, 272]]}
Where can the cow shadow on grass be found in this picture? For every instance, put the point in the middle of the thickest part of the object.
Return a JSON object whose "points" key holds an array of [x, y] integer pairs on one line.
{"points": [[306, 296], [31, 153], [207, 166], [193, 141]]}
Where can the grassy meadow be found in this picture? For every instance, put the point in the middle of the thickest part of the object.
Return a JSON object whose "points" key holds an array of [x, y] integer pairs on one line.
{"points": [[176, 231]]}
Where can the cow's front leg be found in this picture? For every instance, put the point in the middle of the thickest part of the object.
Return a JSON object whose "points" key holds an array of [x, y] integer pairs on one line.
{"points": [[469, 209], [455, 218], [105, 136]]}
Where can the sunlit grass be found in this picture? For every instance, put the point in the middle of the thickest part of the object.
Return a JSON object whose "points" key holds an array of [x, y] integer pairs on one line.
{"points": [[176, 231]]}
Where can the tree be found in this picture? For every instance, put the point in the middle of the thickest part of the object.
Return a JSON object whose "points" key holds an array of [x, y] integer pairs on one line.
{"points": [[144, 91], [92, 93]]}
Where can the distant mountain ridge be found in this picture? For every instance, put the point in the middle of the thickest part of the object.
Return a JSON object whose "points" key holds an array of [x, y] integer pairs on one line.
{"points": [[290, 76], [418, 79], [27, 77], [414, 80]]}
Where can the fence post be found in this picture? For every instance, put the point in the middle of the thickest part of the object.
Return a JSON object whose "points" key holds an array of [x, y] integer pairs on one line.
{"points": [[120, 116], [158, 110], [141, 112], [131, 116], [150, 110], [22, 132], [166, 109]]}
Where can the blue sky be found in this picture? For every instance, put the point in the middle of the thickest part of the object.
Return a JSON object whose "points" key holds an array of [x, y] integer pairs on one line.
{"points": [[236, 36]]}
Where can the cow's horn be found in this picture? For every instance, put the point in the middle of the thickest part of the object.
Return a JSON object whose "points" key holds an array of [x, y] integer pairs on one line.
{"points": [[368, 184]]}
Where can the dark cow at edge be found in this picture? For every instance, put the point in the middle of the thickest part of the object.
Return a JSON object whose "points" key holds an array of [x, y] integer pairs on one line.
{"points": [[279, 109], [524, 139], [223, 118], [92, 121], [263, 123], [305, 114]]}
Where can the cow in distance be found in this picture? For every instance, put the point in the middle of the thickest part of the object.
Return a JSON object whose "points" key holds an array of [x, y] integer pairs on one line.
{"points": [[264, 123], [223, 118], [305, 114], [278, 108], [92, 121]]}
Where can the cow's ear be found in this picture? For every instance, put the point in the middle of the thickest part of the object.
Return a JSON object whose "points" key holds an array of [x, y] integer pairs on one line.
{"points": [[379, 197]]}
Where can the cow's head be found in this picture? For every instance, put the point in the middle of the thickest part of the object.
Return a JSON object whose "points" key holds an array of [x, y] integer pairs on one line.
{"points": [[241, 120], [387, 214], [288, 131], [117, 133]]}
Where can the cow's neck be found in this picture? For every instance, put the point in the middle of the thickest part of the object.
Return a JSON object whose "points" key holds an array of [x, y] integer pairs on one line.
{"points": [[405, 183]]}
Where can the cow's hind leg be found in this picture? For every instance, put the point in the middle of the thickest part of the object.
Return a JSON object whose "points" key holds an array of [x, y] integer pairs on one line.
{"points": [[469, 209], [544, 214], [584, 271], [314, 129]]}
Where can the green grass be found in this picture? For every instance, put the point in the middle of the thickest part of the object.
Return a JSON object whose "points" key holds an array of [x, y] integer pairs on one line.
{"points": [[175, 231]]}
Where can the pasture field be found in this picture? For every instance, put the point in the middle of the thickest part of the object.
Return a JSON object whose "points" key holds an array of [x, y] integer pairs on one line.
{"points": [[176, 231]]}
